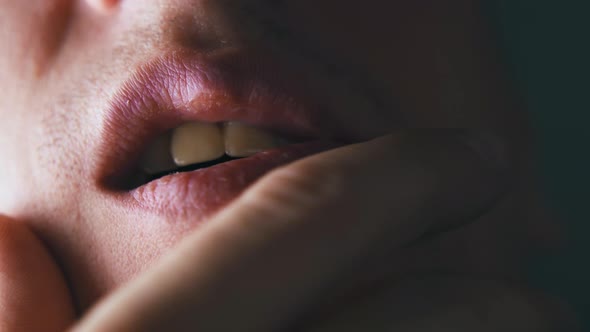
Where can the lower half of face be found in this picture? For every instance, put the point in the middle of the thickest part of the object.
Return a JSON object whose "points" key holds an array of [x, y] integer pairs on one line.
{"points": [[124, 128]]}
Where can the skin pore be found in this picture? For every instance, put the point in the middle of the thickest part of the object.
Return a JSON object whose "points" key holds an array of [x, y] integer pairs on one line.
{"points": [[378, 67]]}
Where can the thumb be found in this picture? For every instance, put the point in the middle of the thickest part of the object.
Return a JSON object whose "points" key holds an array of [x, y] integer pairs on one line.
{"points": [[33, 293]]}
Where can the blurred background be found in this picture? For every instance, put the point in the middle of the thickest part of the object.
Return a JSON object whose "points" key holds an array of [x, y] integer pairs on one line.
{"points": [[548, 43]]}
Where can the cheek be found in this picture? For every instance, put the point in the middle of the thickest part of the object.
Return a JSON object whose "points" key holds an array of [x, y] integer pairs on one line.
{"points": [[30, 34], [347, 29], [428, 56]]}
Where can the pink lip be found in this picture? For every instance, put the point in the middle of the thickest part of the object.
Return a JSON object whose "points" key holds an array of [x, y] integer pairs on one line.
{"points": [[185, 86], [199, 193]]}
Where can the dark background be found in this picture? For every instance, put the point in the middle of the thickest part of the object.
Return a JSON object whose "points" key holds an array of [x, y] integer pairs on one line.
{"points": [[548, 45]]}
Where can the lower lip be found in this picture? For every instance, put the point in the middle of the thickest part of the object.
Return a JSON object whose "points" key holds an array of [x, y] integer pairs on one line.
{"points": [[198, 194]]}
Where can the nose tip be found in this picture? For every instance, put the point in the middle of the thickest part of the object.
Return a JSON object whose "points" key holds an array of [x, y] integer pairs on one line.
{"points": [[103, 5]]}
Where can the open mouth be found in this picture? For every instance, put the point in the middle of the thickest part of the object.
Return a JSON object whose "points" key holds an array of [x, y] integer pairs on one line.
{"points": [[186, 135], [199, 145], [198, 167]]}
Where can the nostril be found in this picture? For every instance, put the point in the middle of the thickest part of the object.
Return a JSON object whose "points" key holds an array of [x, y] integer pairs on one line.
{"points": [[103, 6]]}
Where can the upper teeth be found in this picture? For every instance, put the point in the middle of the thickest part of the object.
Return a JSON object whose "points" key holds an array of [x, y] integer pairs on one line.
{"points": [[198, 142]]}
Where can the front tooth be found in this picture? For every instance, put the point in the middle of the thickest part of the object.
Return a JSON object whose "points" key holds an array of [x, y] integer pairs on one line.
{"points": [[243, 141], [196, 142], [157, 158]]}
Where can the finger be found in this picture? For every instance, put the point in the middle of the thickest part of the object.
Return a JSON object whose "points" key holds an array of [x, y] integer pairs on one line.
{"points": [[265, 257], [450, 303], [33, 295]]}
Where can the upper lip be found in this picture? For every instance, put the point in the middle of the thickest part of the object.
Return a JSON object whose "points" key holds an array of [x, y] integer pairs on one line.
{"points": [[187, 86]]}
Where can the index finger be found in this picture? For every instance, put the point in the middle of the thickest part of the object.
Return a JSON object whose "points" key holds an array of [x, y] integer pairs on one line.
{"points": [[266, 257]]}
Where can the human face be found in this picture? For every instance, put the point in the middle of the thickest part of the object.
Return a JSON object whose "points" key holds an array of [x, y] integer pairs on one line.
{"points": [[85, 85]]}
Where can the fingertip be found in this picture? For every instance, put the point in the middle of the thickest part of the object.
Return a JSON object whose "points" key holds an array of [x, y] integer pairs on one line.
{"points": [[33, 294]]}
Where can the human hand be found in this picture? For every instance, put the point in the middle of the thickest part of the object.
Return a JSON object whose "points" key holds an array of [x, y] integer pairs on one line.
{"points": [[275, 255], [288, 252]]}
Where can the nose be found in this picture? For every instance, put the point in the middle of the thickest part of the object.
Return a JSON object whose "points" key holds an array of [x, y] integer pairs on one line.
{"points": [[103, 5], [204, 25]]}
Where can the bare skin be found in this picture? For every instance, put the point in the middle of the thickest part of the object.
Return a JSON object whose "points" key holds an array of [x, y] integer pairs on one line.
{"points": [[403, 214]]}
